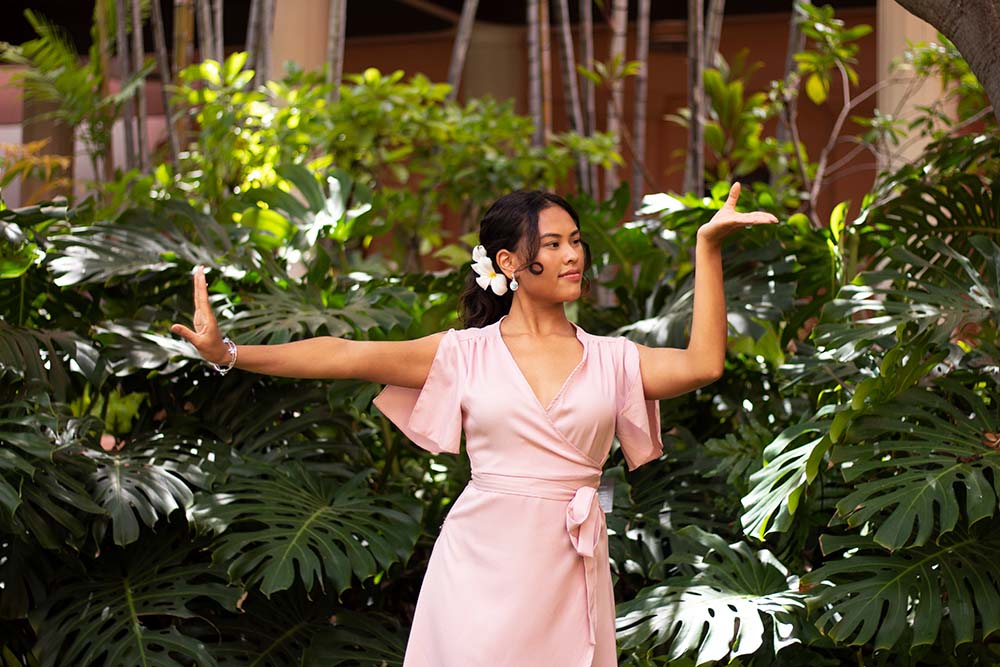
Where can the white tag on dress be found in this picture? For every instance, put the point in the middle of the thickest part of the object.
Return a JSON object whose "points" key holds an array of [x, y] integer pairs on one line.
{"points": [[606, 493]]}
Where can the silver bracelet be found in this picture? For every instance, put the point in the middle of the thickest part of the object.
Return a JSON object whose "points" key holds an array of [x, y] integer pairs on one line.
{"points": [[231, 346]]}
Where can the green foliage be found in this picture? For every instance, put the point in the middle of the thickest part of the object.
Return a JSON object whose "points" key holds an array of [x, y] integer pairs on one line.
{"points": [[418, 154], [719, 609], [56, 75], [881, 597], [112, 615], [298, 527], [859, 400], [834, 49]]}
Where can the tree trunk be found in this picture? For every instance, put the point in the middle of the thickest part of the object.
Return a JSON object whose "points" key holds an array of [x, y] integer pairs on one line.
{"points": [[160, 42], [972, 26], [183, 54], [589, 102], [335, 48], [639, 122], [545, 46], [461, 46], [264, 40], [534, 73], [220, 39], [713, 30], [253, 30], [101, 15], [570, 87], [206, 49], [783, 133], [138, 56], [694, 166], [616, 102], [121, 44], [183, 35]]}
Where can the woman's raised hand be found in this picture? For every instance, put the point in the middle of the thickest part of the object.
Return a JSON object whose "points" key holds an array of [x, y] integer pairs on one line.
{"points": [[727, 219], [206, 336]]}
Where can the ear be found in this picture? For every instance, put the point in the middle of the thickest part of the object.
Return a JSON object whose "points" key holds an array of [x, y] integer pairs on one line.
{"points": [[506, 261]]}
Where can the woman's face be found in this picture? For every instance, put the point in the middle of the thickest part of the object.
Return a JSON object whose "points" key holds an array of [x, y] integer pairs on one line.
{"points": [[561, 254]]}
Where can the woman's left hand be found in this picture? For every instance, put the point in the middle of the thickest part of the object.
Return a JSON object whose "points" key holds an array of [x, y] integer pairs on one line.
{"points": [[727, 220]]}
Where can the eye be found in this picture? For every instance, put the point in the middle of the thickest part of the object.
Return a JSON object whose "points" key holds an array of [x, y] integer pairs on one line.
{"points": [[554, 244]]}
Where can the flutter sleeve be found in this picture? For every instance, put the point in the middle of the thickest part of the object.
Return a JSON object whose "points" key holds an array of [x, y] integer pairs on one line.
{"points": [[431, 416], [638, 421]]}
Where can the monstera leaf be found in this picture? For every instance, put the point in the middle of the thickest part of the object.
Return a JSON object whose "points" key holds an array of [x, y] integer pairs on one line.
{"points": [[147, 479], [793, 460], [293, 312], [138, 242], [923, 295], [40, 492], [367, 639], [923, 461], [125, 610], [49, 356], [294, 525], [948, 194], [721, 611], [791, 464], [268, 632], [878, 597], [757, 286]]}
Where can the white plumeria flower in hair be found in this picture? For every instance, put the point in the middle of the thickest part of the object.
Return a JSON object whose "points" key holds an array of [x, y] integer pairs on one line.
{"points": [[487, 275]]}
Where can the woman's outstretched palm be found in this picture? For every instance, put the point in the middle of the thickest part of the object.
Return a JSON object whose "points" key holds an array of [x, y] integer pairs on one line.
{"points": [[206, 336], [727, 219]]}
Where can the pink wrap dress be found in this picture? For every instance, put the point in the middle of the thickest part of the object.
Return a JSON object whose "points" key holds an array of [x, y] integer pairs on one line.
{"points": [[519, 575]]}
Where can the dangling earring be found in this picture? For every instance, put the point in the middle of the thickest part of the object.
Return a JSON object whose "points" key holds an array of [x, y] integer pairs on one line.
{"points": [[513, 283]]}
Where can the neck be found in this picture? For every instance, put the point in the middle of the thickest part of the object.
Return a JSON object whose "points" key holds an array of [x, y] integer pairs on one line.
{"points": [[535, 320]]}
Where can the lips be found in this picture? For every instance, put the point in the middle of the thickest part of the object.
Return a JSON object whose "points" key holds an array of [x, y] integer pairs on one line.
{"points": [[570, 274]]}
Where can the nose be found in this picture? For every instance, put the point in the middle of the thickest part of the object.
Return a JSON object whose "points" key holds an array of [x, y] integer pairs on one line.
{"points": [[572, 255]]}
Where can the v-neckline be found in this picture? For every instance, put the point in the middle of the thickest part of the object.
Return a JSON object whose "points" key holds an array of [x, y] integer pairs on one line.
{"points": [[524, 380]]}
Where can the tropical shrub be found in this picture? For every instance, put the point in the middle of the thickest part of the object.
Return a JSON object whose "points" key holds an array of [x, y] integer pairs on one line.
{"points": [[868, 444]]}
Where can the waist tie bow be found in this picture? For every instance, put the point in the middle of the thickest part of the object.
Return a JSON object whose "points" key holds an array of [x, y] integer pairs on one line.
{"points": [[584, 519]]}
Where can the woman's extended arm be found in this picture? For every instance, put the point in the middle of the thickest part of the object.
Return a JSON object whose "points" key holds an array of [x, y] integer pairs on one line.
{"points": [[403, 363], [668, 372]]}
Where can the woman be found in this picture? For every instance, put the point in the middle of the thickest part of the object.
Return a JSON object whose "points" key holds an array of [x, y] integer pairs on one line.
{"points": [[519, 575]]}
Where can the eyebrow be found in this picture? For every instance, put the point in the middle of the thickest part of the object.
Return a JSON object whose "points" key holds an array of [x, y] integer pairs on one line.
{"points": [[559, 236]]}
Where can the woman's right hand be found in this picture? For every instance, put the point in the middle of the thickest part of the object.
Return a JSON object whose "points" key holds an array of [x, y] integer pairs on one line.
{"points": [[206, 336]]}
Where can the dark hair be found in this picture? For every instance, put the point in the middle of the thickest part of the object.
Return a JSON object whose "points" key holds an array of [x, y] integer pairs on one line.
{"points": [[511, 223]]}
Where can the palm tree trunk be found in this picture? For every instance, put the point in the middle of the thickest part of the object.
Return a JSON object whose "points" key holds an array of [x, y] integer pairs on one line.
{"points": [[183, 53], [253, 29], [335, 48], [534, 73], [461, 46], [570, 87], [101, 14], [588, 94], [138, 56], [205, 31], [160, 42], [639, 119], [619, 23], [121, 43], [183, 35], [220, 40], [713, 30], [783, 132], [264, 40], [545, 47], [694, 166]]}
